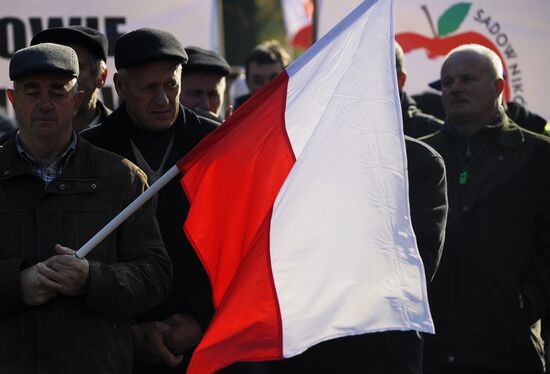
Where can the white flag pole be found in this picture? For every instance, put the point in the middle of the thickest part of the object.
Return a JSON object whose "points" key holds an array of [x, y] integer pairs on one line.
{"points": [[127, 212]]}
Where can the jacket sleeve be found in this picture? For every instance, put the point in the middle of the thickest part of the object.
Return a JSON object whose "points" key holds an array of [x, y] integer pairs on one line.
{"points": [[10, 287], [142, 276], [536, 285], [428, 202]]}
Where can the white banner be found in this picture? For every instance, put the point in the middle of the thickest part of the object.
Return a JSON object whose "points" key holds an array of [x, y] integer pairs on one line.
{"points": [[518, 31], [193, 22]]}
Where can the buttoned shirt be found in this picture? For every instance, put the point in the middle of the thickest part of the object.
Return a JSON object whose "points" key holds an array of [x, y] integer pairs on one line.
{"points": [[49, 172]]}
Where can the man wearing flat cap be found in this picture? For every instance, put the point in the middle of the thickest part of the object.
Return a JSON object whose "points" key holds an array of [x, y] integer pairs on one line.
{"points": [[203, 83], [91, 47], [60, 313], [152, 129]]}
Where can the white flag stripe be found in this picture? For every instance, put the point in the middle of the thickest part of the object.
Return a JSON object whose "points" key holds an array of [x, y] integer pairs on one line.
{"points": [[343, 210]]}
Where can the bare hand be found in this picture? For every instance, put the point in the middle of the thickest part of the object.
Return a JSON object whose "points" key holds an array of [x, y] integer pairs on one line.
{"points": [[34, 286], [65, 273], [149, 346], [184, 333]]}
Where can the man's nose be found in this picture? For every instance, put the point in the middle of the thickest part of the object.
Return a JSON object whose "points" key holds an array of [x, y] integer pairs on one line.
{"points": [[45, 102], [456, 85], [203, 102], [161, 97]]}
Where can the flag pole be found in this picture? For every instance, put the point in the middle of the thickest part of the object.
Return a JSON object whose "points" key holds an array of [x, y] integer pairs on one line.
{"points": [[127, 212]]}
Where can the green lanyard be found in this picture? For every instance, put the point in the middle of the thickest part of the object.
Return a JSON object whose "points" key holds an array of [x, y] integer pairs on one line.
{"points": [[464, 175]]}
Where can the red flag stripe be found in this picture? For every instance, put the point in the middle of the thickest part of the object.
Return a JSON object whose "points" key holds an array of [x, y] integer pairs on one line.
{"points": [[231, 187]]}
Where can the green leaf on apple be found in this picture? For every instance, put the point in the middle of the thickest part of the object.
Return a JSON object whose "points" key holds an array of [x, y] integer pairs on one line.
{"points": [[453, 17]]}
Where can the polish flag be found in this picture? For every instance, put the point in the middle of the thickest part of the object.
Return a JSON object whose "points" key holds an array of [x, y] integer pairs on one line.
{"points": [[298, 17], [299, 205]]}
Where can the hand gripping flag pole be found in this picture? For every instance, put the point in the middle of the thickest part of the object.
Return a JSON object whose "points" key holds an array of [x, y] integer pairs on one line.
{"points": [[127, 212]]}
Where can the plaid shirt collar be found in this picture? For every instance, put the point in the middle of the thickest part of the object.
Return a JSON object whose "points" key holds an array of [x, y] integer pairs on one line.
{"points": [[50, 172]]}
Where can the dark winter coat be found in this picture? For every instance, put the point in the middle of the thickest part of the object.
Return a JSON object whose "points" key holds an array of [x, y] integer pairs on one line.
{"points": [[493, 284], [415, 122], [129, 271]]}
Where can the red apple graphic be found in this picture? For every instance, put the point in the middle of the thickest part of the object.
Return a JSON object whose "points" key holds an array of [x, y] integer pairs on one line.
{"points": [[442, 43]]}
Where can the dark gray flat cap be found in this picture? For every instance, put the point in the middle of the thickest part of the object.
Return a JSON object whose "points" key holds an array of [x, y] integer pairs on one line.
{"points": [[205, 60], [94, 41], [146, 45], [42, 59]]}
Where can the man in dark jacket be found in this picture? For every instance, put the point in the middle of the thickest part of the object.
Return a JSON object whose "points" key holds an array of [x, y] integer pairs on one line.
{"points": [[153, 130], [415, 122], [91, 47], [493, 284], [60, 313]]}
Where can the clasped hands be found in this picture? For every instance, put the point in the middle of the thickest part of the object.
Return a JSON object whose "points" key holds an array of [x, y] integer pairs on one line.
{"points": [[62, 273], [164, 342]]}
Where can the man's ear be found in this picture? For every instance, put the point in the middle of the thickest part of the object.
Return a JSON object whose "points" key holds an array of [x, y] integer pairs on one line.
{"points": [[119, 86], [499, 85], [401, 79], [78, 98], [102, 78], [11, 95]]}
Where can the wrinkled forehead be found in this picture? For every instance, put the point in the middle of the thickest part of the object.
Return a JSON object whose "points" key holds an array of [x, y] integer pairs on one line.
{"points": [[55, 81], [160, 68]]}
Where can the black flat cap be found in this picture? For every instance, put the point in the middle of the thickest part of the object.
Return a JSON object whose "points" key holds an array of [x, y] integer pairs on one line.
{"points": [[42, 59], [145, 45], [205, 60], [88, 38]]}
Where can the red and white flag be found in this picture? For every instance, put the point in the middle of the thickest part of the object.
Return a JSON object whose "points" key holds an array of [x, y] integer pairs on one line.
{"points": [[298, 17], [299, 205]]}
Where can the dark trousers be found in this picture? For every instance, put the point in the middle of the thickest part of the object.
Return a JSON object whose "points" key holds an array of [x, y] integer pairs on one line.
{"points": [[474, 370]]}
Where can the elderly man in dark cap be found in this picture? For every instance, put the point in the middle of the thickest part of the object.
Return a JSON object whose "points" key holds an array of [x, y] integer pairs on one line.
{"points": [[91, 47], [60, 313], [152, 129], [203, 83]]}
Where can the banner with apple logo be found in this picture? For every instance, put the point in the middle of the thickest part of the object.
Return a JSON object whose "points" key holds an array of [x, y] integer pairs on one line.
{"points": [[518, 31]]}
